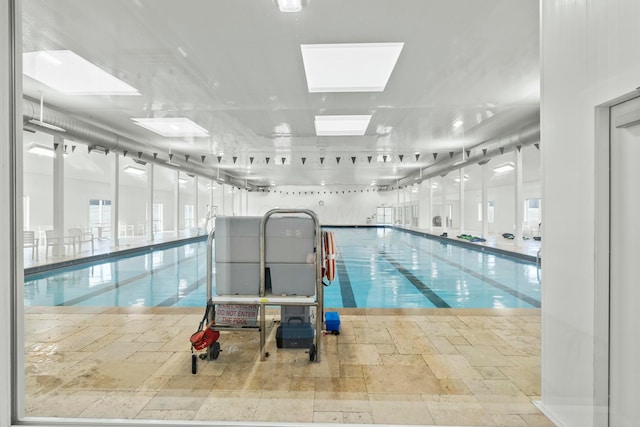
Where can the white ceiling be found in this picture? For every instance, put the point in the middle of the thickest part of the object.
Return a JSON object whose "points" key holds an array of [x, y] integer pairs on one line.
{"points": [[242, 76]]}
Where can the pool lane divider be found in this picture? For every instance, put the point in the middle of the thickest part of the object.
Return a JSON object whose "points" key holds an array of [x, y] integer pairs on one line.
{"points": [[419, 284], [346, 291], [523, 297]]}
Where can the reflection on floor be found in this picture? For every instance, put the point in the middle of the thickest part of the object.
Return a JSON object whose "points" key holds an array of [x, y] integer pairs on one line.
{"points": [[419, 366]]}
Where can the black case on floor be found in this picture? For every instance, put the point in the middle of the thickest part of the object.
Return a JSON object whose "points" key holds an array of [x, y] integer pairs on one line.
{"points": [[294, 334]]}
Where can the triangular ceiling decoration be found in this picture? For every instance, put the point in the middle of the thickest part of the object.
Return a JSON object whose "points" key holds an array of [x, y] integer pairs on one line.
{"points": [[537, 145], [304, 159], [155, 155], [451, 153], [170, 156], [235, 159], [369, 158], [519, 147], [321, 160], [384, 158], [219, 159], [124, 153], [55, 146], [435, 156], [353, 159], [417, 156], [202, 158], [267, 159], [251, 160], [338, 160], [501, 150], [468, 153], [401, 156], [283, 160], [484, 151], [186, 158]]}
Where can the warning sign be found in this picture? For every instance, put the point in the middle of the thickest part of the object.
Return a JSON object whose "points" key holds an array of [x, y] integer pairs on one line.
{"points": [[237, 314]]}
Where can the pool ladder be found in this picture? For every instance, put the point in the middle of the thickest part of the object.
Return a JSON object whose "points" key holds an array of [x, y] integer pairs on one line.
{"points": [[538, 263]]}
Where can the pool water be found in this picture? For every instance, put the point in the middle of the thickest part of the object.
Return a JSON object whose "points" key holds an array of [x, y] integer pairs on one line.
{"points": [[376, 268]]}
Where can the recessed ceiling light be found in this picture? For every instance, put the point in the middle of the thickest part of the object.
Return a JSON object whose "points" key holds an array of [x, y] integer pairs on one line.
{"points": [[355, 125], [465, 178], [41, 150], [172, 126], [134, 170], [69, 73], [289, 5], [506, 167], [349, 67], [458, 123], [182, 180]]}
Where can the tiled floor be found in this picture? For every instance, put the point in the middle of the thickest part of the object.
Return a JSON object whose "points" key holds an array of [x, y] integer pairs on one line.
{"points": [[418, 366]]}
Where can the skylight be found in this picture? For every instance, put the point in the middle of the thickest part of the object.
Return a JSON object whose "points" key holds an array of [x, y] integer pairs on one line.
{"points": [[172, 127], [349, 67], [342, 125], [503, 168], [69, 73]]}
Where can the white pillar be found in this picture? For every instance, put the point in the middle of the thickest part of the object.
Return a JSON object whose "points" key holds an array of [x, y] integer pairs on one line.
{"points": [[176, 205], [58, 194], [115, 200], [223, 208], [485, 201], [443, 210], [430, 206], [461, 205], [518, 196], [196, 208], [150, 172]]}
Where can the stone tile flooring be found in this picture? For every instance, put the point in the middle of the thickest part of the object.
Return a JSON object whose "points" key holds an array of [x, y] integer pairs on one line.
{"points": [[477, 367]]}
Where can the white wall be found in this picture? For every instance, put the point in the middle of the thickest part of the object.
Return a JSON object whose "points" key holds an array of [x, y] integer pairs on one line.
{"points": [[341, 205], [590, 55]]}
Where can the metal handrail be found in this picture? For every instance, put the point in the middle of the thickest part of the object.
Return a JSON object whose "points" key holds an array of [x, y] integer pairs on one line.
{"points": [[319, 285], [210, 267]]}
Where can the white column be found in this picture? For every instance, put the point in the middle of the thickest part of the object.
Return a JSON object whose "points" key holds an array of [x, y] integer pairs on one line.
{"points": [[485, 201], [176, 204], [196, 208], [115, 200], [430, 206], [222, 208], [150, 171], [444, 211], [461, 205], [58, 194], [519, 197], [240, 201]]}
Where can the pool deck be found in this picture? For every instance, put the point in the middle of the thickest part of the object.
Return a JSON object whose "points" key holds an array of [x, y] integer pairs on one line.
{"points": [[442, 367]]}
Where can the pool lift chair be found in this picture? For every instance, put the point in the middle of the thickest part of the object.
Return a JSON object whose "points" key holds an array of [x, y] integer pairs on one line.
{"points": [[263, 297]]}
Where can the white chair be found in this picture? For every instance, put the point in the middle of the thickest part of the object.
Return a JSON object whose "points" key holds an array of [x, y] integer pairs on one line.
{"points": [[30, 241], [53, 239], [79, 237]]}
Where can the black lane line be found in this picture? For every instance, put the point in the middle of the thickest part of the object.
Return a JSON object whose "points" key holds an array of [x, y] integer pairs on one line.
{"points": [[419, 284], [120, 284], [348, 299], [526, 298], [175, 298]]}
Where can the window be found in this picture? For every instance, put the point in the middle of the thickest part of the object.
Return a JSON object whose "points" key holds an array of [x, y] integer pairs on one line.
{"points": [[532, 211], [189, 216], [384, 215], [490, 211], [100, 217], [158, 222]]}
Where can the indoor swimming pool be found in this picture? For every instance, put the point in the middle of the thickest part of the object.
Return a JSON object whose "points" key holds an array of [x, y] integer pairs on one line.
{"points": [[376, 268]]}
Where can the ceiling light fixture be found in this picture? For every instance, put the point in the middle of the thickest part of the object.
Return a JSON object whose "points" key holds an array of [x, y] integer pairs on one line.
{"points": [[134, 170], [67, 72], [40, 150], [349, 67], [289, 5], [172, 126], [354, 125], [504, 168], [457, 123], [465, 178]]}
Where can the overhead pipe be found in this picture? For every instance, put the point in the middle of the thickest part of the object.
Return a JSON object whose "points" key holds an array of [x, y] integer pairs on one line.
{"points": [[92, 135], [480, 153]]}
